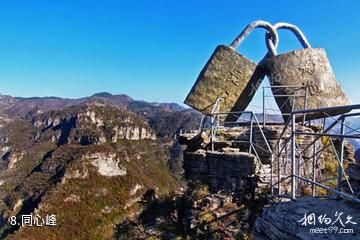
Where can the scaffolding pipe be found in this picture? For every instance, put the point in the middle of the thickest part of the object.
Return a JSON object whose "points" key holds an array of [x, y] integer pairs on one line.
{"points": [[345, 195], [293, 146], [313, 189], [341, 161]]}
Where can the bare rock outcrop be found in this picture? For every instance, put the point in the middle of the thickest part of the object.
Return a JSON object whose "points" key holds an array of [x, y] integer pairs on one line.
{"points": [[309, 218], [92, 124], [107, 164]]}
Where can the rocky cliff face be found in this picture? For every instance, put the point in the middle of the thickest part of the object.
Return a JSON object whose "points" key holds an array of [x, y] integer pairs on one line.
{"points": [[88, 164], [308, 218], [86, 125]]}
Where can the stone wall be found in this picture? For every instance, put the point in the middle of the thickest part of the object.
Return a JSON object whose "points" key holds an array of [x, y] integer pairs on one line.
{"points": [[286, 220], [233, 171]]}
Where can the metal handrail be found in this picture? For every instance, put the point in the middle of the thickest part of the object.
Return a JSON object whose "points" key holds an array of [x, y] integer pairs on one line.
{"points": [[294, 156], [296, 89], [262, 133], [340, 165], [215, 126], [328, 109], [296, 153]]}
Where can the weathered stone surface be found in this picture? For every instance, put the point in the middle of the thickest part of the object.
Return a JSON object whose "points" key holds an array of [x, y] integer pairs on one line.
{"points": [[85, 125], [195, 141], [307, 67], [283, 221], [228, 75], [228, 171], [107, 164], [208, 215], [14, 158]]}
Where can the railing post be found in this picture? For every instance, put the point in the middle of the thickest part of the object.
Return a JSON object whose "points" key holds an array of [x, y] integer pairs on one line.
{"points": [[251, 132], [264, 107], [305, 104], [286, 157], [342, 143], [214, 111], [299, 165], [212, 132], [278, 168], [313, 189], [201, 123], [293, 156]]}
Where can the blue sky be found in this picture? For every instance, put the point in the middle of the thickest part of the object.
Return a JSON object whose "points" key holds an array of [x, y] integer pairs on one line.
{"points": [[154, 50]]}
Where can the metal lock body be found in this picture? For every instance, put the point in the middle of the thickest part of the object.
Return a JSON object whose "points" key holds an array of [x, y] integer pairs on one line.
{"points": [[308, 67], [228, 75]]}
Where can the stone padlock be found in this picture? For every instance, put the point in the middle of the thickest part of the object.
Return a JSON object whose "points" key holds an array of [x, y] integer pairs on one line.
{"points": [[309, 68], [228, 75]]}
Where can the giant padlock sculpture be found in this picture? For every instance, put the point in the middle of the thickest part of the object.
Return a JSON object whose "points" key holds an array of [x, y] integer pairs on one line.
{"points": [[229, 76], [308, 68]]}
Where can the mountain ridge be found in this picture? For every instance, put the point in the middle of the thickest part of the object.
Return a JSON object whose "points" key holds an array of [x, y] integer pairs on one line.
{"points": [[119, 100], [153, 112]]}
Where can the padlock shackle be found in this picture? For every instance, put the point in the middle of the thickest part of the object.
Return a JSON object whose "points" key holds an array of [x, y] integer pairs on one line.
{"points": [[272, 48], [257, 24]]}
